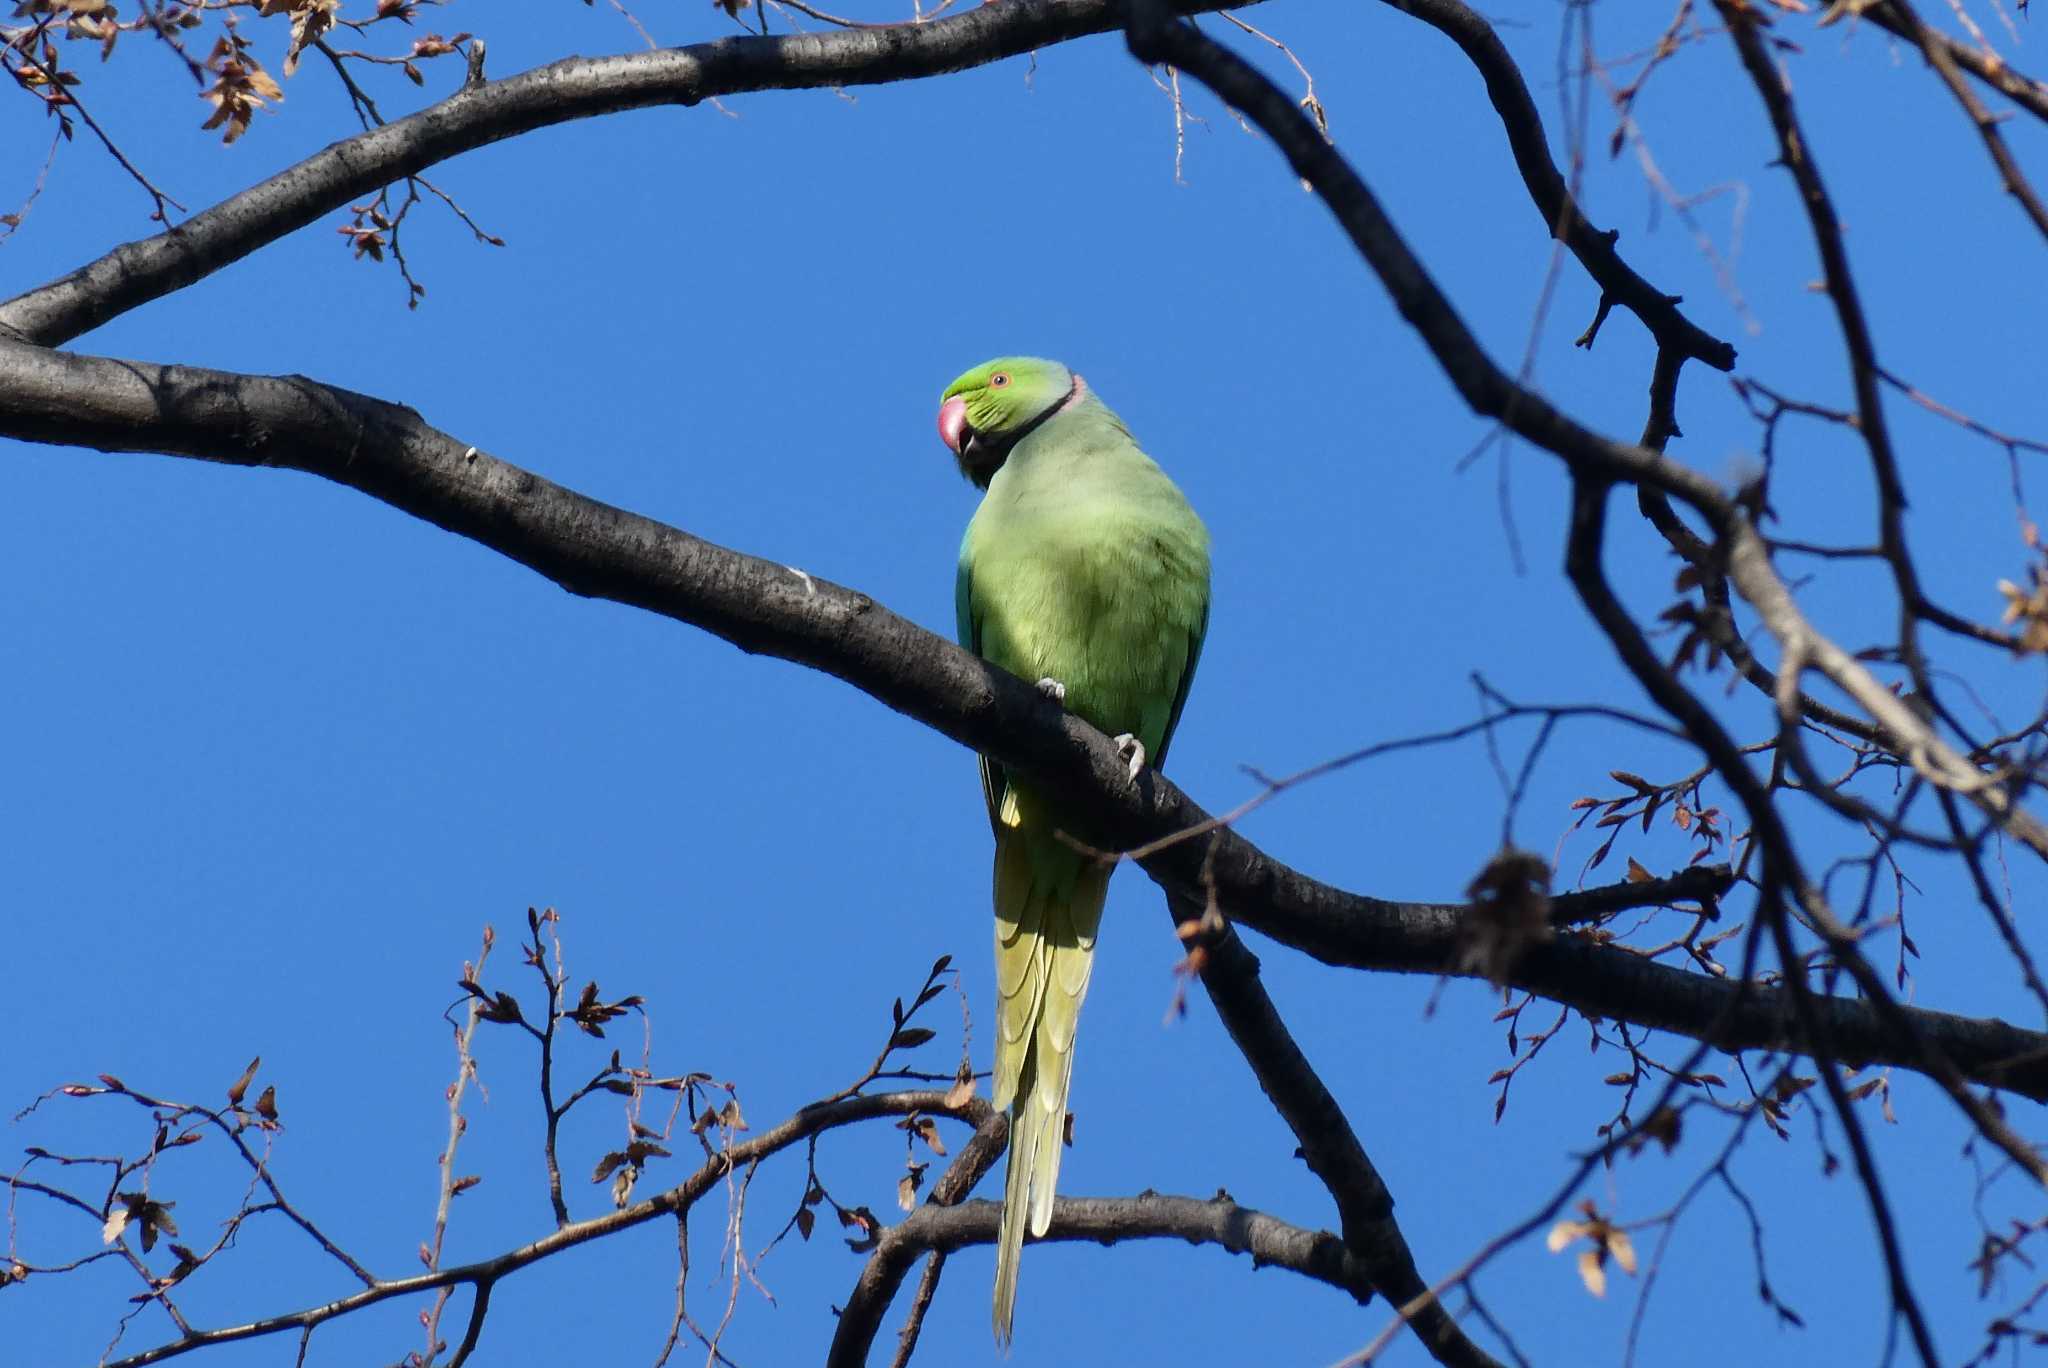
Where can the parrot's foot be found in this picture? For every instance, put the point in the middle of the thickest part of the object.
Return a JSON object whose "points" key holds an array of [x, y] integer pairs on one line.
{"points": [[1053, 689], [1131, 751]]}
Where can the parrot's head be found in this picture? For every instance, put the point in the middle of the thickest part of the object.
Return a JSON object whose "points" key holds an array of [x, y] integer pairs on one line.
{"points": [[987, 411]]}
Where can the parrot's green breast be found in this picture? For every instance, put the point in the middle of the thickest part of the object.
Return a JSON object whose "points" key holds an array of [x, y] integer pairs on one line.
{"points": [[1088, 567]]}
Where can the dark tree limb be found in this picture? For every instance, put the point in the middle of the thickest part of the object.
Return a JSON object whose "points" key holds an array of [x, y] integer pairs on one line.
{"points": [[1906, 22], [1156, 36], [1596, 463], [920, 1302], [1583, 565], [593, 549], [880, 1277], [1329, 1145], [1795, 153], [1700, 884], [491, 111], [1619, 284], [1904, 1303], [2022, 89], [1218, 1221], [145, 270], [1372, 1243]]}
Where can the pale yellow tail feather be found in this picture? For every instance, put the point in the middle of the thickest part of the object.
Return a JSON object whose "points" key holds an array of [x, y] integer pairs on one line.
{"points": [[1020, 963], [1010, 1240], [1045, 942]]}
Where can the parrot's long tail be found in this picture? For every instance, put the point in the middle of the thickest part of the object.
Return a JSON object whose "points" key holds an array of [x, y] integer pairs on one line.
{"points": [[1048, 905]]}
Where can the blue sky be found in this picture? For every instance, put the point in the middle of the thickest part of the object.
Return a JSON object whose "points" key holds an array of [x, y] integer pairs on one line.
{"points": [[277, 753]]}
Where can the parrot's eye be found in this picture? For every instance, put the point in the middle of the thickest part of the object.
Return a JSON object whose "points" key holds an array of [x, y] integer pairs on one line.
{"points": [[999, 380]]}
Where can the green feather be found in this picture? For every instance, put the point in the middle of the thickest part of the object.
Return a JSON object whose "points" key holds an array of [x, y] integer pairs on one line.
{"points": [[1083, 564]]}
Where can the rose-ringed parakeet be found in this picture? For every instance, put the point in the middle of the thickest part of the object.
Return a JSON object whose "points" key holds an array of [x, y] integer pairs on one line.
{"points": [[1084, 569]]}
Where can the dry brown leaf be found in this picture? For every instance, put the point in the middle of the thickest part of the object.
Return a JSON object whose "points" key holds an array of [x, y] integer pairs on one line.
{"points": [[1593, 1272]]}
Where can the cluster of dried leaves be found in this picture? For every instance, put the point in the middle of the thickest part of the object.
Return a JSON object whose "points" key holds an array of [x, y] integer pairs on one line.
{"points": [[1509, 912], [233, 78], [1604, 1241]]}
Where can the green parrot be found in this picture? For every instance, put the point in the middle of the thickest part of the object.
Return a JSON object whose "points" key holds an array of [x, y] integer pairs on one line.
{"points": [[1084, 569]]}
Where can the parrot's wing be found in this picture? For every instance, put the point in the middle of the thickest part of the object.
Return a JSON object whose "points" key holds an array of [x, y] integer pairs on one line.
{"points": [[1180, 695], [967, 631]]}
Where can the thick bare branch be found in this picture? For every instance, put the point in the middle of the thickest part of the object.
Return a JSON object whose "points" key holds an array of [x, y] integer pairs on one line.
{"points": [[1156, 36], [1329, 1145], [594, 549], [1699, 883], [1101, 1220], [491, 111], [883, 1273]]}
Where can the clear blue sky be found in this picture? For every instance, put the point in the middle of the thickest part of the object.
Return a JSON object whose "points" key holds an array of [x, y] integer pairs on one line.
{"points": [[275, 754]]}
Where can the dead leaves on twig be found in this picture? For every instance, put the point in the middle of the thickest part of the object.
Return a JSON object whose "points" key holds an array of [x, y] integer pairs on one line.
{"points": [[918, 1127], [907, 1186], [145, 1214], [1606, 1242], [263, 1115], [240, 87], [1690, 813], [727, 1116], [1663, 1127], [2029, 608], [623, 1168], [702, 1107], [310, 19], [590, 1015], [240, 1086], [1510, 912], [963, 1086], [236, 83]]}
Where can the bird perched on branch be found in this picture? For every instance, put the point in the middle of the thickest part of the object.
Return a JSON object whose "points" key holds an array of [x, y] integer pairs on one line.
{"points": [[1084, 569]]}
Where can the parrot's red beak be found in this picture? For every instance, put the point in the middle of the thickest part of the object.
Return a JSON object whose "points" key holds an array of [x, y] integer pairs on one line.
{"points": [[953, 423]]}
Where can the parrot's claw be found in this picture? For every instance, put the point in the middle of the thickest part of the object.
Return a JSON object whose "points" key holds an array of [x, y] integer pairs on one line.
{"points": [[1053, 689], [1132, 752]]}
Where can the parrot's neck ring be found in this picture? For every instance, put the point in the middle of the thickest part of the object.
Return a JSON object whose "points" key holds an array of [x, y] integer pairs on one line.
{"points": [[1075, 392], [984, 454]]}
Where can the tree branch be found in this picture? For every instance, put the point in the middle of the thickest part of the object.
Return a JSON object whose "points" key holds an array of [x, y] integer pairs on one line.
{"points": [[1618, 282], [2022, 89], [883, 1273], [488, 112], [1155, 35], [1329, 1146], [594, 549], [1103, 1220], [1906, 21], [1702, 884]]}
